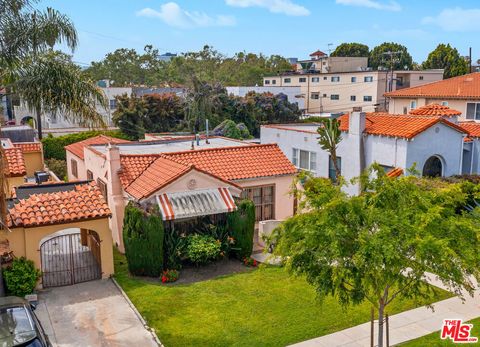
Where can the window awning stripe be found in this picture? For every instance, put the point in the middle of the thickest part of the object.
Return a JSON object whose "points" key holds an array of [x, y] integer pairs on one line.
{"points": [[195, 203]]}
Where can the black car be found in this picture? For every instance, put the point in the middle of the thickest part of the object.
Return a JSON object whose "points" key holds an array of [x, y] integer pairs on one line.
{"points": [[19, 326]]}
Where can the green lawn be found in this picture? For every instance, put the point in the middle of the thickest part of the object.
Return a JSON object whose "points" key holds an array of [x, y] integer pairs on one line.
{"points": [[433, 340], [265, 307]]}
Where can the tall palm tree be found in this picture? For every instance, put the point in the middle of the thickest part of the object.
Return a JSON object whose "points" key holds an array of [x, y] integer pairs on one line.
{"points": [[330, 137], [45, 80]]}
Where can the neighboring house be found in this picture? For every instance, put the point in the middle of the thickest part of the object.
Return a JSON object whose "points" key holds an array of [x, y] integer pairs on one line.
{"points": [[320, 62], [57, 121], [461, 93], [170, 174], [141, 91], [75, 156], [63, 228], [434, 142], [22, 161], [294, 93], [342, 91], [166, 57]]}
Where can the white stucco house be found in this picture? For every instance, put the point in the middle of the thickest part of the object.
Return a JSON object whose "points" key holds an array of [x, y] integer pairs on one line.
{"points": [[435, 142]]}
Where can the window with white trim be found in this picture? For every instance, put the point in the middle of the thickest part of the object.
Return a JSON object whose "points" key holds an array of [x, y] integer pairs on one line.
{"points": [[305, 160], [315, 79], [444, 103], [413, 104], [473, 110], [367, 98], [368, 79], [335, 79], [334, 97], [315, 95], [353, 98], [353, 79], [267, 82], [302, 80], [287, 80], [274, 81]]}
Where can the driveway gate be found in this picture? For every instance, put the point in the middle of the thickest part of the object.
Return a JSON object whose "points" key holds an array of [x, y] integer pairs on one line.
{"points": [[66, 261]]}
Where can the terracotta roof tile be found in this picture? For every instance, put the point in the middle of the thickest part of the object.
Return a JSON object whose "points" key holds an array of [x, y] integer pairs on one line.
{"points": [[472, 128], [460, 87], [27, 147], [435, 110], [82, 203], [397, 125], [236, 163], [15, 162], [77, 147], [159, 173], [132, 166], [396, 172]]}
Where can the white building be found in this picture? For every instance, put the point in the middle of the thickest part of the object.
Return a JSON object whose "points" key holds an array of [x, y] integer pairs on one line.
{"points": [[51, 121], [437, 146]]}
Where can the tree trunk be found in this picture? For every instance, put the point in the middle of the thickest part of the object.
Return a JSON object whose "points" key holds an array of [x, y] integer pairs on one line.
{"points": [[333, 154], [381, 309], [38, 111]]}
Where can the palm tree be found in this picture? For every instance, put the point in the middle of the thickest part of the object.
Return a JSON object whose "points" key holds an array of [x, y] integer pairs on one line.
{"points": [[330, 137], [46, 81]]}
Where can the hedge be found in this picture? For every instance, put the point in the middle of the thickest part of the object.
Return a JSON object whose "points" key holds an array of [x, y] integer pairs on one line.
{"points": [[53, 147], [143, 238], [241, 224]]}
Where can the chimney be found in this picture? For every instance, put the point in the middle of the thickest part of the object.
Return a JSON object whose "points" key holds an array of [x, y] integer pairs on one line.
{"points": [[356, 127]]}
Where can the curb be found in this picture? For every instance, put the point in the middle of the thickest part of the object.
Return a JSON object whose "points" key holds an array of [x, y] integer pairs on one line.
{"points": [[142, 320]]}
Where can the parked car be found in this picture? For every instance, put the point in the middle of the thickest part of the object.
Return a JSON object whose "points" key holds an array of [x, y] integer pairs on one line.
{"points": [[19, 326]]}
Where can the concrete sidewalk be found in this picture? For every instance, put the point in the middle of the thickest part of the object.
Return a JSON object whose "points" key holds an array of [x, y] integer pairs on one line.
{"points": [[407, 325]]}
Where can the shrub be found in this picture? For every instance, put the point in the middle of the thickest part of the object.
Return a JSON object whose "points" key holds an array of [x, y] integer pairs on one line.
{"points": [[250, 262], [203, 249], [59, 167], [169, 276], [241, 224], [53, 147], [143, 238], [21, 277], [174, 246]]}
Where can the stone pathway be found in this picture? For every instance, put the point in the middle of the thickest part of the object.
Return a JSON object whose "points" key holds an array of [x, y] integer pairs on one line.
{"points": [[407, 325]]}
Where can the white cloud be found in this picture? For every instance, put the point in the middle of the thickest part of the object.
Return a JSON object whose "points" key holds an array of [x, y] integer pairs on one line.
{"points": [[275, 6], [175, 16], [378, 5], [456, 19]]}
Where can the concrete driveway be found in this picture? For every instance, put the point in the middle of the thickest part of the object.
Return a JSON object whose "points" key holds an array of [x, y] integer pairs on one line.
{"points": [[90, 314]]}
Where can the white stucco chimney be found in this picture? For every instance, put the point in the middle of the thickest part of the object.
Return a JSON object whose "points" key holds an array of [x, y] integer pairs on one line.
{"points": [[115, 194], [356, 127]]}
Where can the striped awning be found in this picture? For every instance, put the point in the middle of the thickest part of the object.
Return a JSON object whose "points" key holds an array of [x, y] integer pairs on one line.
{"points": [[195, 203]]}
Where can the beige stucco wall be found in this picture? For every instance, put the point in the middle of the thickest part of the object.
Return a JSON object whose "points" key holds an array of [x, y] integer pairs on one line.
{"points": [[26, 241], [82, 172], [283, 200], [13, 182], [398, 105], [33, 162]]}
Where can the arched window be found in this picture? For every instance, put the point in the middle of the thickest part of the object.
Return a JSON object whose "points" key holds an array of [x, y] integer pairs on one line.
{"points": [[433, 167]]}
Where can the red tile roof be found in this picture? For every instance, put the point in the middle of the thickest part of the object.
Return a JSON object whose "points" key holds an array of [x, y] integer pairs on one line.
{"points": [[82, 203], [132, 166], [397, 125], [158, 174], [435, 110], [396, 172], [318, 53], [77, 147], [15, 162], [472, 128], [460, 87], [236, 163], [27, 147]]}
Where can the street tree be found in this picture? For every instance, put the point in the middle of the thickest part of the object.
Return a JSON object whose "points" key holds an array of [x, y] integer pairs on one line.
{"points": [[446, 57], [379, 56], [329, 138], [353, 49], [379, 245]]}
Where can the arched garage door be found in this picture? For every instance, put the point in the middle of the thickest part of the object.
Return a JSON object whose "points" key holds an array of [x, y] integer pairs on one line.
{"points": [[70, 258]]}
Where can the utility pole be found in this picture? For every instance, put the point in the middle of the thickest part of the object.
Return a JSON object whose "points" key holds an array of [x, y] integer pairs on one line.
{"points": [[329, 48], [470, 59], [390, 83]]}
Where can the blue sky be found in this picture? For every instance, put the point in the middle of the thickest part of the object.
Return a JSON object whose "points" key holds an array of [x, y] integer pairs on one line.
{"points": [[292, 28]]}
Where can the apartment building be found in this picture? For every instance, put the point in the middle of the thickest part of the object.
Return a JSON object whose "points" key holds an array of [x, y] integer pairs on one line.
{"points": [[322, 63], [336, 92], [461, 93]]}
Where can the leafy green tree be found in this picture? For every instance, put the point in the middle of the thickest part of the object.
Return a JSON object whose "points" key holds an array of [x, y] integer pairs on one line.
{"points": [[447, 58], [377, 246], [164, 112], [45, 80], [130, 116], [353, 49], [330, 137], [401, 60]]}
